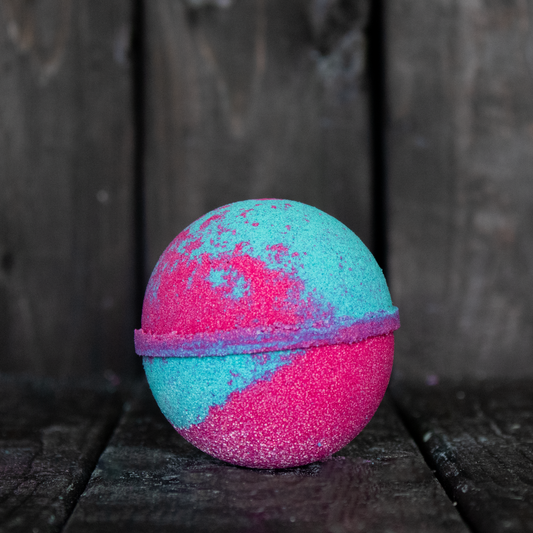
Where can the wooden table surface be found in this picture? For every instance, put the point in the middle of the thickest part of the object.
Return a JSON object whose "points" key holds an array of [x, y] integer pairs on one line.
{"points": [[87, 456]]}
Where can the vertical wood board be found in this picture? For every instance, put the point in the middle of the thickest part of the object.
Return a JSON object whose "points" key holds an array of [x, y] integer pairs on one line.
{"points": [[460, 81], [253, 99], [66, 221]]}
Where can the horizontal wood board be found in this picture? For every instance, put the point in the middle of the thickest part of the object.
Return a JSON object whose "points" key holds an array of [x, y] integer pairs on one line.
{"points": [[479, 438], [254, 99], [66, 181], [460, 140], [51, 436], [151, 479]]}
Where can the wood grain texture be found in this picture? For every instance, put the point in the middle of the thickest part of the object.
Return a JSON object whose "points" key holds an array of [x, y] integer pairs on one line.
{"points": [[460, 80], [51, 436], [480, 440], [253, 99], [150, 479], [66, 226]]}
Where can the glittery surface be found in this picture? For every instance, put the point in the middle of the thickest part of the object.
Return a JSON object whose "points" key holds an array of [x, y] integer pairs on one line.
{"points": [[305, 411], [267, 334]]}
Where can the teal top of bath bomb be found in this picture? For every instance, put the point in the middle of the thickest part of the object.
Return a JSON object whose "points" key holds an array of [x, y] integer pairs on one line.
{"points": [[258, 264]]}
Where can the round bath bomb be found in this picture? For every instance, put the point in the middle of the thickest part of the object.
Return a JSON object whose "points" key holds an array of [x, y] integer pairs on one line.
{"points": [[267, 334]]}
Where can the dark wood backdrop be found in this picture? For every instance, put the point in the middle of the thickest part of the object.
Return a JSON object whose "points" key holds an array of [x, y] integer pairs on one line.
{"points": [[121, 122]]}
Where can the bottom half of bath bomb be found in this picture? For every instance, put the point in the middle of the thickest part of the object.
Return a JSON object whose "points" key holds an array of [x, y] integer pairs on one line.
{"points": [[275, 409]]}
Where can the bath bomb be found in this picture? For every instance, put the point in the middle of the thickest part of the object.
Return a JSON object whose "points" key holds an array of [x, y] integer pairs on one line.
{"points": [[267, 334]]}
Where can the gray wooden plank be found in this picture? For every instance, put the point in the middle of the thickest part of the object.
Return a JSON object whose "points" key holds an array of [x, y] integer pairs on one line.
{"points": [[253, 99], [461, 223], [479, 437], [66, 149], [150, 479], [51, 435]]}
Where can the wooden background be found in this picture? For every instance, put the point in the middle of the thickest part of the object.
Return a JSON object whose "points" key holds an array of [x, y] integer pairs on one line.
{"points": [[121, 122]]}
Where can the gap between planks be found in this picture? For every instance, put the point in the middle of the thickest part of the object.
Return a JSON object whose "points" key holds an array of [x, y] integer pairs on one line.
{"points": [[51, 437], [478, 437]]}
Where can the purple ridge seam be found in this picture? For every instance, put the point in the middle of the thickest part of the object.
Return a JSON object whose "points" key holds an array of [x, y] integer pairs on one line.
{"points": [[265, 339]]}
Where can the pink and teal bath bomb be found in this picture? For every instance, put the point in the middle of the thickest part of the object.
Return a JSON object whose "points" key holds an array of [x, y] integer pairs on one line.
{"points": [[267, 334]]}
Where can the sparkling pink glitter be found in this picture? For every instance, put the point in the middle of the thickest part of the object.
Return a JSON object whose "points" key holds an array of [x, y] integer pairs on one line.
{"points": [[307, 411]]}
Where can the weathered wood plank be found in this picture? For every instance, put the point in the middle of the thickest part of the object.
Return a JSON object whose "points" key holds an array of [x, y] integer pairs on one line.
{"points": [[150, 479], [253, 99], [480, 440], [461, 226], [66, 153], [51, 436]]}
